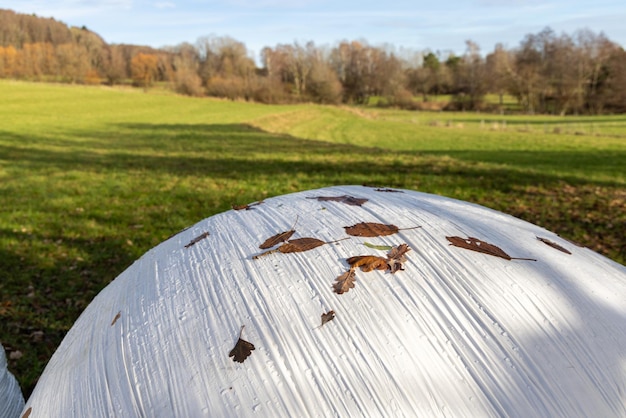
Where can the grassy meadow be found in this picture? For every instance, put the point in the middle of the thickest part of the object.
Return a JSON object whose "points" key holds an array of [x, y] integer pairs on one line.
{"points": [[92, 177]]}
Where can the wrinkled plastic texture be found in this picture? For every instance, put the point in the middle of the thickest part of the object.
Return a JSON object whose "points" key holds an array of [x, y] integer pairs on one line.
{"points": [[456, 333], [11, 399]]}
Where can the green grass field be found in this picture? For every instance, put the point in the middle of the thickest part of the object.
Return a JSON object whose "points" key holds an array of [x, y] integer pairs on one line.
{"points": [[92, 178]]}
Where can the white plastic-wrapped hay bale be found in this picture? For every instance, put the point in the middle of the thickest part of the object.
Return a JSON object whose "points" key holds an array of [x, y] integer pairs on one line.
{"points": [[460, 328], [11, 399]]}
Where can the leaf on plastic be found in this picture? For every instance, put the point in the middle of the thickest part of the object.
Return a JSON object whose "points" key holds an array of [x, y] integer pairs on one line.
{"points": [[327, 317], [398, 252], [396, 257], [242, 349], [475, 244], [344, 282], [27, 413], [388, 190], [377, 247], [554, 245], [348, 200], [298, 245], [249, 206], [373, 229], [276, 239], [197, 239], [119, 314], [367, 262]]}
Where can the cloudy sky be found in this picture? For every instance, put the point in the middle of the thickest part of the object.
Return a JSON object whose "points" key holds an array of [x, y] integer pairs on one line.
{"points": [[442, 25]]}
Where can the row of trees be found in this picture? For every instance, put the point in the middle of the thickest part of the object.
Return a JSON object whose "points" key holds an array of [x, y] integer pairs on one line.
{"points": [[548, 73]]}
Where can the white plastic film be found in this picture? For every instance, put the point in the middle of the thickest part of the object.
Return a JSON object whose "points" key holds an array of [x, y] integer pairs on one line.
{"points": [[457, 332]]}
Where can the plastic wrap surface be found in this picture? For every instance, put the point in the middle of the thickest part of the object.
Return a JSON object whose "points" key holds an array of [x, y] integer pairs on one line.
{"points": [[458, 329], [11, 399]]}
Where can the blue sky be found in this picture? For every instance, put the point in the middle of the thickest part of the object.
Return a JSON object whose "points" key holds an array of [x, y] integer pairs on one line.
{"points": [[442, 25]]}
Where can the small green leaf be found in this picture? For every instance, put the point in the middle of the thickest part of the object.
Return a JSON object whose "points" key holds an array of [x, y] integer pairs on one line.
{"points": [[378, 247]]}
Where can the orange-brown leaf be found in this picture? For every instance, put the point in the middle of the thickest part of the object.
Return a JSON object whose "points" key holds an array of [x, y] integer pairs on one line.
{"points": [[344, 282], [480, 246], [276, 239], [367, 262]]}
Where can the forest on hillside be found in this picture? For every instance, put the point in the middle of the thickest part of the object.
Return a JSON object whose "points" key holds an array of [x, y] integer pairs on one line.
{"points": [[579, 73]]}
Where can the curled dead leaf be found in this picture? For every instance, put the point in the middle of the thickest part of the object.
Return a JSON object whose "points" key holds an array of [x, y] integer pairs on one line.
{"points": [[367, 262], [396, 257]]}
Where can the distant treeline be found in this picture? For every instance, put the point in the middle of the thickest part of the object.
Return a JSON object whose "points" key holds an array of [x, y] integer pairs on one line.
{"points": [[548, 73]]}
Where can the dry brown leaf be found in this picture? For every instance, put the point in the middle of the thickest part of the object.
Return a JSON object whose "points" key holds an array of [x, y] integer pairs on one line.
{"points": [[396, 257], [554, 245], [197, 239], [119, 314], [348, 200], [328, 316], [344, 282], [367, 262], [247, 207], [480, 246], [276, 239], [388, 190], [27, 413], [242, 349], [370, 229], [373, 229], [298, 245], [398, 252]]}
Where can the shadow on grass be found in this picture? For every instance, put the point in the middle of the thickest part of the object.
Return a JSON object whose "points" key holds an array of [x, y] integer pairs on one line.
{"points": [[44, 290], [240, 151]]}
